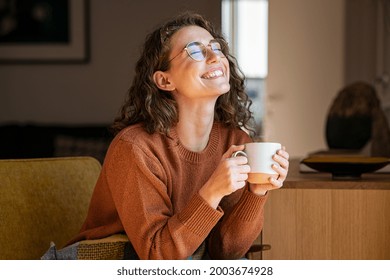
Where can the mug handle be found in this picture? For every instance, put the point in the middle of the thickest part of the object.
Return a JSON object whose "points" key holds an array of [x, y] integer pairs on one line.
{"points": [[239, 153]]}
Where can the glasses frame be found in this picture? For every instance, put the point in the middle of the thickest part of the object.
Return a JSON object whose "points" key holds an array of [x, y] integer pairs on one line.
{"points": [[222, 55]]}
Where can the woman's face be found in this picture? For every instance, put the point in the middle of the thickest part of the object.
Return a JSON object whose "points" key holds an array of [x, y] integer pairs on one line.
{"points": [[197, 79]]}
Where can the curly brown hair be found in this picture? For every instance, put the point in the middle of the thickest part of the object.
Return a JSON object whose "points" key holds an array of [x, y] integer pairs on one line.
{"points": [[156, 109]]}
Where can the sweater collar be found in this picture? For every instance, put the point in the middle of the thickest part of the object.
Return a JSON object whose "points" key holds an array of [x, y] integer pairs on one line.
{"points": [[197, 157]]}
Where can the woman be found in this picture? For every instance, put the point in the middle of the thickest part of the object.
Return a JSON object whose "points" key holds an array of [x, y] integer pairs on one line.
{"points": [[168, 180]]}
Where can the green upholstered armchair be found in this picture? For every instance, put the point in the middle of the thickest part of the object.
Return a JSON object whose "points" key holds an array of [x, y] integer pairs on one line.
{"points": [[46, 199], [43, 200]]}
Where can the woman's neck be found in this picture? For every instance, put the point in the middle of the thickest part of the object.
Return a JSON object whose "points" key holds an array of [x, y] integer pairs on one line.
{"points": [[194, 126]]}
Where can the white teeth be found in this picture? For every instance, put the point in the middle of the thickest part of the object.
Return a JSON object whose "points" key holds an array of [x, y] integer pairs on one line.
{"points": [[216, 73]]}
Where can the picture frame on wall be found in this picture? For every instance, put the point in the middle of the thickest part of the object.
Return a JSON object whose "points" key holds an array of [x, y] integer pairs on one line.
{"points": [[44, 31]]}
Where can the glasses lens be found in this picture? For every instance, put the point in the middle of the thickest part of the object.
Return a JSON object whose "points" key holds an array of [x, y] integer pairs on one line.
{"points": [[216, 48], [196, 50]]}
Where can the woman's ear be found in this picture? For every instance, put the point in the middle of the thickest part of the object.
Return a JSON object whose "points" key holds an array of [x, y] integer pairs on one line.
{"points": [[162, 81]]}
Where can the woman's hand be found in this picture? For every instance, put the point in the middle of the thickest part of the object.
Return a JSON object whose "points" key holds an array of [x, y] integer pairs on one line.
{"points": [[230, 175], [281, 157]]}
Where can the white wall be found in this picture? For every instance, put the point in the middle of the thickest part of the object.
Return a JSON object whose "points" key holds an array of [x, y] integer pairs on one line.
{"points": [[91, 93], [306, 69]]}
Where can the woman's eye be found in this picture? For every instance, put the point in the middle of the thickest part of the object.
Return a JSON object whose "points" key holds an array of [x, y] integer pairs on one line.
{"points": [[195, 52], [216, 47]]}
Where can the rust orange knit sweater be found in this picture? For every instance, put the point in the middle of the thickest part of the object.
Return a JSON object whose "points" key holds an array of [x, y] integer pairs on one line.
{"points": [[148, 188]]}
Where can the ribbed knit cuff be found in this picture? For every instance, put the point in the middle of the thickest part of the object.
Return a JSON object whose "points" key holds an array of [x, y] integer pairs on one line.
{"points": [[200, 217], [250, 206]]}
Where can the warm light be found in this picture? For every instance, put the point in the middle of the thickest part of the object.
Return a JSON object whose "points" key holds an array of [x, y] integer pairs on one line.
{"points": [[245, 24]]}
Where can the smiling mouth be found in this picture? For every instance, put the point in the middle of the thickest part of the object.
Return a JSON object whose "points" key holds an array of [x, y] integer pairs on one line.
{"points": [[213, 74]]}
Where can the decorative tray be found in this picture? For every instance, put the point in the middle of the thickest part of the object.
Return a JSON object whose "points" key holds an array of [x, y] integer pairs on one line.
{"points": [[345, 167]]}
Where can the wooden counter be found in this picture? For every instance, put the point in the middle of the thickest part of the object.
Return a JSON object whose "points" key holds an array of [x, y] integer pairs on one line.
{"points": [[317, 180], [315, 217]]}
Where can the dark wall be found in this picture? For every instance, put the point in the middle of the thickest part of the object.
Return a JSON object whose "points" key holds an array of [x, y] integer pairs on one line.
{"points": [[93, 92]]}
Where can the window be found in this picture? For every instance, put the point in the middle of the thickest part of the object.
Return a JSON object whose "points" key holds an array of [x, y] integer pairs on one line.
{"points": [[245, 26]]}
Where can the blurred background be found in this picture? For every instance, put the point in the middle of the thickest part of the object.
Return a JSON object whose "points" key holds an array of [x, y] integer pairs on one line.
{"points": [[313, 49]]}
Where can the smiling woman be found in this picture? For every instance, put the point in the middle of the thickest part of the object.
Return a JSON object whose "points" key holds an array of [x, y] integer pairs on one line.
{"points": [[169, 181], [199, 73]]}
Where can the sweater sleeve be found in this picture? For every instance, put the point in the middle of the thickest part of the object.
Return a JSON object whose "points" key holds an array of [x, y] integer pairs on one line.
{"points": [[242, 221], [138, 187], [240, 226]]}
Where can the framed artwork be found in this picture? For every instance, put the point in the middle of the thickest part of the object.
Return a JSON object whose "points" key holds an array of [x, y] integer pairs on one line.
{"points": [[44, 31]]}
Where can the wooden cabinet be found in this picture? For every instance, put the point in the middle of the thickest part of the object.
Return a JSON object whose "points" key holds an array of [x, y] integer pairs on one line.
{"points": [[327, 224]]}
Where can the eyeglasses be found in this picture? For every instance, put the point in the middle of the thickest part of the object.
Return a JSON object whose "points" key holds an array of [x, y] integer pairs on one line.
{"points": [[198, 51]]}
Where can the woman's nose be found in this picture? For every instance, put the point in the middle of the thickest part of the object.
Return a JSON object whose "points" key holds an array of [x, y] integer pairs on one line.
{"points": [[211, 56]]}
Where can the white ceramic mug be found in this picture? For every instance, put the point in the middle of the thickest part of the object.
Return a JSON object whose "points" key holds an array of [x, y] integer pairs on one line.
{"points": [[260, 160]]}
